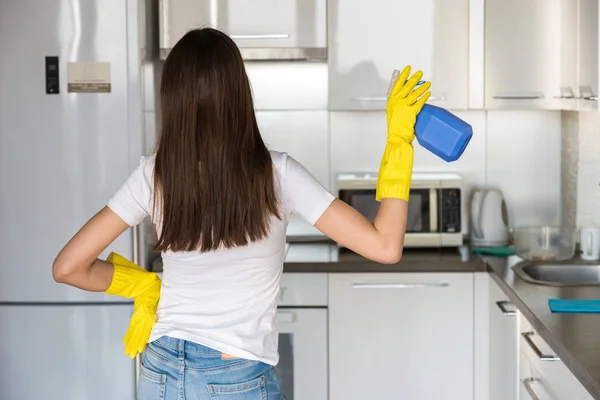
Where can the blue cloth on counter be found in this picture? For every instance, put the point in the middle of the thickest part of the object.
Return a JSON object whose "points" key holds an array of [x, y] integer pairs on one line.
{"points": [[574, 305]]}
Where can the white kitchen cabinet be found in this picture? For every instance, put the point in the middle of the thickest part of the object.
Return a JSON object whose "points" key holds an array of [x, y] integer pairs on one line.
{"points": [[263, 29], [368, 40], [588, 54], [532, 386], [401, 336], [503, 345], [579, 54], [544, 369], [569, 31], [522, 58]]}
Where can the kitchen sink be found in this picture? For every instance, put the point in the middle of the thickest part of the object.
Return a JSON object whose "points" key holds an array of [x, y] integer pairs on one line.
{"points": [[559, 274]]}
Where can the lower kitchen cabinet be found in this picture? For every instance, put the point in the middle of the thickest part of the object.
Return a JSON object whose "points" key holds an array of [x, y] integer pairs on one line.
{"points": [[503, 345], [401, 336], [541, 372]]}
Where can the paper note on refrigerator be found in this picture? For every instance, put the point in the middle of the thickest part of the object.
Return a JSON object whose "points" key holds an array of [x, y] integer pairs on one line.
{"points": [[88, 77]]}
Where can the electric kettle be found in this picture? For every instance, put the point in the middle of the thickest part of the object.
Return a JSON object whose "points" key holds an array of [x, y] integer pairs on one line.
{"points": [[489, 218]]}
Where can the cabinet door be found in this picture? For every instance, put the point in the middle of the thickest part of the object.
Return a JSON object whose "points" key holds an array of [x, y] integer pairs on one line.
{"points": [[274, 23], [569, 31], [588, 54], [522, 59], [258, 24], [401, 336], [503, 339], [431, 35], [176, 17]]}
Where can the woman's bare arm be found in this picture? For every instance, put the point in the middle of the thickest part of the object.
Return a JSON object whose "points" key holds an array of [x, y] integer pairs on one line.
{"points": [[380, 241], [78, 265]]}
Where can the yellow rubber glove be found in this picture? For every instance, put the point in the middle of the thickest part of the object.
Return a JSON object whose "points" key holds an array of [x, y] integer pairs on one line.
{"points": [[404, 103], [132, 281]]}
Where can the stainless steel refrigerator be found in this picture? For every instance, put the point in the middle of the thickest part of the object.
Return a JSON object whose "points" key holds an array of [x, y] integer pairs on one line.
{"points": [[66, 145]]}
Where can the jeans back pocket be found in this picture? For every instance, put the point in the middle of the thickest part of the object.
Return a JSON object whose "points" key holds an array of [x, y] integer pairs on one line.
{"points": [[250, 390], [151, 385]]}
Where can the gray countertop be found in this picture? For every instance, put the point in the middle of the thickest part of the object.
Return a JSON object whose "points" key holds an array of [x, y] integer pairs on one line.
{"points": [[325, 257], [575, 338]]}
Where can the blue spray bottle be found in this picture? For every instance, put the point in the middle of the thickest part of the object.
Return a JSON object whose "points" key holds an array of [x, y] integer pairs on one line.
{"points": [[438, 130]]}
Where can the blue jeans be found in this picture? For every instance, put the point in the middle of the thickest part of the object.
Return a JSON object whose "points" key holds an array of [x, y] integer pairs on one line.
{"points": [[174, 369]]}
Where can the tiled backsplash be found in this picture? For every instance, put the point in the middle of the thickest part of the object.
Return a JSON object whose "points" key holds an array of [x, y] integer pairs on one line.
{"points": [[581, 168], [516, 151]]}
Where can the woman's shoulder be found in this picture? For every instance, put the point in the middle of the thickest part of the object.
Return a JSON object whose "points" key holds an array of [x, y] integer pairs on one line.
{"points": [[280, 160], [283, 161], [146, 168]]}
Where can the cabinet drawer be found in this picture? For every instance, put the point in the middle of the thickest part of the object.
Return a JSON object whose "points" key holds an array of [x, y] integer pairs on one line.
{"points": [[299, 289], [553, 371], [401, 336], [532, 385]]}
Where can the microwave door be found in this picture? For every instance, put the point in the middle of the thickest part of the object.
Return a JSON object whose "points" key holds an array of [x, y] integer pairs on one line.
{"points": [[422, 211]]}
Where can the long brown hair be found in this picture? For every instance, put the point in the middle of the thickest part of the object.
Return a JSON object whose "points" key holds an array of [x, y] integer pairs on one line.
{"points": [[214, 177]]}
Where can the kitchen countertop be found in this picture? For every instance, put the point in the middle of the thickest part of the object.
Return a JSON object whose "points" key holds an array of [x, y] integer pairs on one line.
{"points": [[575, 338], [327, 257]]}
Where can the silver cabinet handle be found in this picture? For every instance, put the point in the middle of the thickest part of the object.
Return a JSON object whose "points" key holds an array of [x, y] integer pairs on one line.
{"points": [[502, 306], [544, 357], [370, 99], [519, 97], [382, 99], [527, 384], [587, 93], [566, 92], [399, 285], [267, 36]]}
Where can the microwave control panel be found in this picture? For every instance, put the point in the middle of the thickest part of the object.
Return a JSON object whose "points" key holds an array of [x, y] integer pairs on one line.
{"points": [[450, 206]]}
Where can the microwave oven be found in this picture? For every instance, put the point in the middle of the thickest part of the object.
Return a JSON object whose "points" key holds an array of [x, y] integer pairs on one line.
{"points": [[435, 206]]}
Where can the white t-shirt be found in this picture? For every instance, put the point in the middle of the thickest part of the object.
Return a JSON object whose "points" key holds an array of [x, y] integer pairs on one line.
{"points": [[226, 299]]}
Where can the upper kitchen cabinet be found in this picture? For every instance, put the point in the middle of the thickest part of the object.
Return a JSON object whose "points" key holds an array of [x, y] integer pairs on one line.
{"points": [[263, 29], [588, 54], [578, 54], [522, 55], [569, 32], [368, 40]]}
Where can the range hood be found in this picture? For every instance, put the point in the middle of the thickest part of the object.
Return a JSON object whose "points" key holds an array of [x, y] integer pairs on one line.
{"points": [[262, 29]]}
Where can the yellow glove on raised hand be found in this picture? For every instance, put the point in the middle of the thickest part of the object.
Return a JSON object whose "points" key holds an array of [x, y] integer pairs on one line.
{"points": [[131, 281], [403, 106]]}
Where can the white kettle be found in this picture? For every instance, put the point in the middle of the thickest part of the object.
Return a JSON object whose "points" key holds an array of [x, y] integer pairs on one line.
{"points": [[489, 218]]}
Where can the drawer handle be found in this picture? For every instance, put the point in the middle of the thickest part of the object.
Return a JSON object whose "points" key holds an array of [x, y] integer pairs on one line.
{"points": [[382, 99], [519, 97], [267, 36], [370, 99], [530, 391], [286, 317], [399, 285], [502, 306], [544, 357]]}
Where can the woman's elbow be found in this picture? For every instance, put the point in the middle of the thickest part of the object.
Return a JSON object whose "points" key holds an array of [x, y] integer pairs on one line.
{"points": [[391, 256], [61, 271]]}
